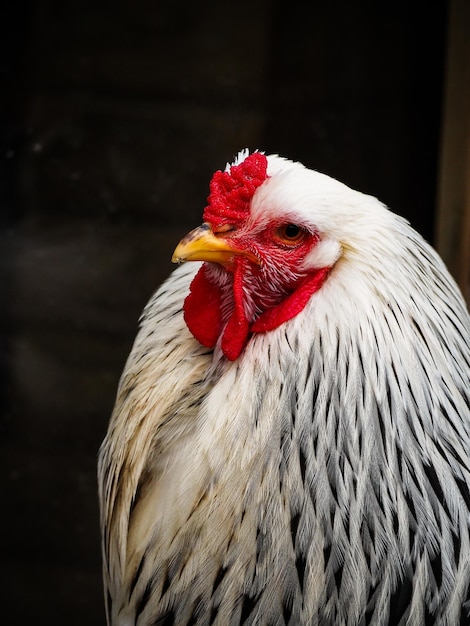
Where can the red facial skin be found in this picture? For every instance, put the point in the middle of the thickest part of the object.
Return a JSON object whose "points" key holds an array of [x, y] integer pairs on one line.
{"points": [[246, 296]]}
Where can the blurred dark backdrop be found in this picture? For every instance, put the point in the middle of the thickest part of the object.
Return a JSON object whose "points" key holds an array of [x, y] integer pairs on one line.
{"points": [[113, 117]]}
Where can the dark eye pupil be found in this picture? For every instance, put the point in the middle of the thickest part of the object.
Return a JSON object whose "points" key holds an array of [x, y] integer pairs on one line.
{"points": [[292, 230]]}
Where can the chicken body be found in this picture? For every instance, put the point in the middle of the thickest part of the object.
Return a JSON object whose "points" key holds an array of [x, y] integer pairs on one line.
{"points": [[321, 475]]}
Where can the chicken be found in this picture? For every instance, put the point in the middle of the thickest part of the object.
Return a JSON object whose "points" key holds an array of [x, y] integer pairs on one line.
{"points": [[290, 443]]}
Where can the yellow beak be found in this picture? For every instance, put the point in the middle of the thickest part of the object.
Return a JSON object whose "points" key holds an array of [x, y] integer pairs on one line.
{"points": [[202, 245]]}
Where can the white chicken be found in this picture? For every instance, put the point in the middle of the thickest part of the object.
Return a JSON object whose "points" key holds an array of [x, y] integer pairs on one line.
{"points": [[290, 443]]}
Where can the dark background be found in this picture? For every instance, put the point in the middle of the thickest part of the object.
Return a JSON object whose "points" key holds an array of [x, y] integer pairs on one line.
{"points": [[113, 117]]}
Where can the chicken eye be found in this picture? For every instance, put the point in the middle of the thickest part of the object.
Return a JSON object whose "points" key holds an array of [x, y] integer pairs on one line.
{"points": [[290, 234]]}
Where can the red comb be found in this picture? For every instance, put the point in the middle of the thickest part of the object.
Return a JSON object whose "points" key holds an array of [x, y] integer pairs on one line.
{"points": [[231, 192]]}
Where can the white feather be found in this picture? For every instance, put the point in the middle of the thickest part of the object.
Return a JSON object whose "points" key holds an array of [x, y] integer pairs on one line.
{"points": [[327, 423]]}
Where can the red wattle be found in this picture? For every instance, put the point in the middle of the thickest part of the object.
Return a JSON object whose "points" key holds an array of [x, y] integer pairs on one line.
{"points": [[235, 334], [202, 309], [203, 305]]}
